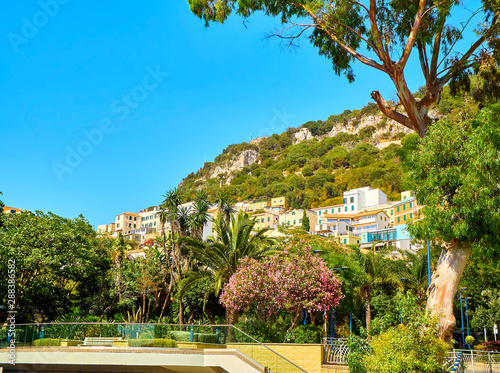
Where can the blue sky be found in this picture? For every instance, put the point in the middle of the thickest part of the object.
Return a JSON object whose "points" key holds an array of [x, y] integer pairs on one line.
{"points": [[143, 91]]}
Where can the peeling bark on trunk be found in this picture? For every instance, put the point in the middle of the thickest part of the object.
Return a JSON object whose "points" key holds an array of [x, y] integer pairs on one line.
{"points": [[368, 313], [444, 285]]}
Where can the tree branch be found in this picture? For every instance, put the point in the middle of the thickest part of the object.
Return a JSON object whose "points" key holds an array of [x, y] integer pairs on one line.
{"points": [[390, 112], [345, 46], [413, 34]]}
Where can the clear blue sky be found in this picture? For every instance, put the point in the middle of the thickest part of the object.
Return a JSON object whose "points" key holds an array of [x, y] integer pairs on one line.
{"points": [[72, 72]]}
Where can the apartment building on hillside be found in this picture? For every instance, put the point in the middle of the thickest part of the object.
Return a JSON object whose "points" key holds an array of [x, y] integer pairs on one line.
{"points": [[293, 218], [126, 222], [266, 220]]}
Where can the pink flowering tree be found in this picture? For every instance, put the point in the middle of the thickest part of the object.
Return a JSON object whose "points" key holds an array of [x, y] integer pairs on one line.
{"points": [[289, 281]]}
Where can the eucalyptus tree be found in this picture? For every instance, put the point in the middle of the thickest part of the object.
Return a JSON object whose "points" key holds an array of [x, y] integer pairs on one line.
{"points": [[382, 35], [454, 172], [218, 259]]}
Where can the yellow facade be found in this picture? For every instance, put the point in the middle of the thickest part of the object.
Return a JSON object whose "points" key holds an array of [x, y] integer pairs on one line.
{"points": [[349, 239], [266, 220], [259, 205], [279, 202], [307, 356], [405, 211]]}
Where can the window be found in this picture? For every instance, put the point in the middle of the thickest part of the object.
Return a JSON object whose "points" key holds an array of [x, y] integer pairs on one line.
{"points": [[300, 221], [345, 200], [345, 240], [118, 218], [404, 207], [155, 224], [399, 219], [352, 208], [268, 218], [411, 215], [345, 209], [135, 225], [118, 225], [281, 200], [294, 222], [130, 225], [352, 199], [262, 220], [392, 212], [320, 212], [333, 211], [339, 209], [398, 208], [404, 217], [135, 218], [410, 204]]}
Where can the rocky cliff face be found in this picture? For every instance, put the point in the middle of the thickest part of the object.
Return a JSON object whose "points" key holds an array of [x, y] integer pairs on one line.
{"points": [[303, 134], [237, 163]]}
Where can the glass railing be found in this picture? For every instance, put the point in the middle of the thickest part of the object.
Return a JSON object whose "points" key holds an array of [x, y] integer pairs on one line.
{"points": [[129, 335]]}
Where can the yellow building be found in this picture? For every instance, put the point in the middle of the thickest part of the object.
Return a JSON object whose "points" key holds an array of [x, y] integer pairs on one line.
{"points": [[294, 218], [11, 210], [106, 228], [406, 210], [349, 239], [266, 220], [259, 205], [127, 222], [279, 202]]}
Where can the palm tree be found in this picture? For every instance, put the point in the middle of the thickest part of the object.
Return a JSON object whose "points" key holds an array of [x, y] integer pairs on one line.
{"points": [[199, 216], [219, 257], [225, 205], [378, 273]]}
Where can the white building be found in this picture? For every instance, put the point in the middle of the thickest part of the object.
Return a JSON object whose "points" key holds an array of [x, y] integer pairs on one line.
{"points": [[356, 200]]}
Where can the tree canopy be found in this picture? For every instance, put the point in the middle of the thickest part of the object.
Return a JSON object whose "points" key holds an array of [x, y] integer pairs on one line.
{"points": [[382, 35]]}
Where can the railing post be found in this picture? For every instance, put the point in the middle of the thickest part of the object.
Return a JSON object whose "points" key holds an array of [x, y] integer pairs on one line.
{"points": [[489, 362], [472, 360], [191, 334]]}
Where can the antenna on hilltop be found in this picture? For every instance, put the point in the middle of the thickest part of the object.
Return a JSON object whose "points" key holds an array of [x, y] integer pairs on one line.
{"points": [[251, 138]]}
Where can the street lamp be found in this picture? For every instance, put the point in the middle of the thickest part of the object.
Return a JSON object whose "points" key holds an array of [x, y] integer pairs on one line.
{"points": [[332, 310], [467, 316], [462, 315]]}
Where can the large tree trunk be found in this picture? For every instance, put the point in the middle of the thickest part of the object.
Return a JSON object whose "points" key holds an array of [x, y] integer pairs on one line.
{"points": [[444, 285]]}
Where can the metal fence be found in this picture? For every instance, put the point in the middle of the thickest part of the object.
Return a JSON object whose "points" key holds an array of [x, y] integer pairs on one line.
{"points": [[335, 350], [472, 361]]}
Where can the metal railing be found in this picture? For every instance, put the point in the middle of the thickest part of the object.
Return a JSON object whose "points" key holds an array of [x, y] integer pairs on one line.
{"points": [[134, 335], [473, 361], [335, 350]]}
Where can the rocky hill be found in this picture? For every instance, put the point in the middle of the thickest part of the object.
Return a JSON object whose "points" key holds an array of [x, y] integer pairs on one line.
{"points": [[313, 164]]}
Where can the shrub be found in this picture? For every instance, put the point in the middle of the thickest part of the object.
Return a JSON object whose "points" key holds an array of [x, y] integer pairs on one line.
{"points": [[47, 342], [183, 336], [207, 337], [308, 333], [469, 340], [404, 348], [156, 342], [489, 346]]}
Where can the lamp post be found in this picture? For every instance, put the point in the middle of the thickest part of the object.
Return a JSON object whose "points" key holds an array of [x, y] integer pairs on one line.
{"points": [[332, 310], [462, 315], [429, 262], [467, 317]]}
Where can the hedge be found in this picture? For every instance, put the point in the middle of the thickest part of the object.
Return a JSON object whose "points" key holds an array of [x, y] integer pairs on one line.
{"points": [[157, 342], [47, 342]]}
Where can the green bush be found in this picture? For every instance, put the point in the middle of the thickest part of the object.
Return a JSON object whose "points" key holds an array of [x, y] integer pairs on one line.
{"points": [[207, 337], [469, 340], [407, 348], [308, 333], [47, 342], [156, 342], [183, 336]]}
